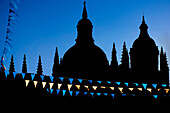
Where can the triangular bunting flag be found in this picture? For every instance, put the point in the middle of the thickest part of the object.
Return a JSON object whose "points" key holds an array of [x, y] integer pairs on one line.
{"points": [[120, 88], [90, 81], [98, 94], [51, 77], [69, 86], [113, 95], [136, 84], [58, 91], [126, 84], [164, 85], [155, 96], [59, 85], [154, 85], [80, 80], [14, 74], [123, 95], [85, 93], [78, 86], [77, 92], [92, 93], [109, 82], [71, 80], [144, 85], [167, 90], [35, 83], [43, 84], [61, 78], [51, 90], [87, 87], [105, 94], [71, 93], [51, 85], [23, 75], [131, 89], [32, 76], [118, 83], [64, 92], [6, 73], [94, 87], [112, 88], [42, 77], [99, 81], [140, 89], [26, 82], [47, 90], [149, 89]]}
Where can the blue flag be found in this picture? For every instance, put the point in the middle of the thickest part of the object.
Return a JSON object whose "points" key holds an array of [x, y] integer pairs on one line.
{"points": [[80, 80], [85, 93], [6, 73], [155, 96], [154, 85], [92, 93], [164, 85], [23, 75], [64, 92], [126, 84], [118, 83], [99, 81], [71, 93], [109, 82], [61, 78], [58, 91], [144, 85], [98, 94], [136, 84], [77, 92], [71, 80], [42, 77], [32, 76], [90, 81], [14, 74], [105, 94], [51, 90], [51, 77], [113, 95]]}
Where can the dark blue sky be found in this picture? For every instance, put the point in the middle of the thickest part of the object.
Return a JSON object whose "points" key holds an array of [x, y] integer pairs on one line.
{"points": [[45, 24]]}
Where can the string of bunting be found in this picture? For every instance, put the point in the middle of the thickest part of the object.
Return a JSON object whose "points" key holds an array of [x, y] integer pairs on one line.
{"points": [[69, 86], [12, 19]]}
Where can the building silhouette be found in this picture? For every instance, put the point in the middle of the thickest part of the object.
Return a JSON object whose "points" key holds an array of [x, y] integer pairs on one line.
{"points": [[85, 76], [87, 61]]}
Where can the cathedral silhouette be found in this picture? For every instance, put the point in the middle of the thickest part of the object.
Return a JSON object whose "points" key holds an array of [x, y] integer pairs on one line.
{"points": [[87, 61], [85, 75]]}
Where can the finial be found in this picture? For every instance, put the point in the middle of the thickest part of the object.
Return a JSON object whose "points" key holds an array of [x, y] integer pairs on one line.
{"points": [[84, 15], [143, 19]]}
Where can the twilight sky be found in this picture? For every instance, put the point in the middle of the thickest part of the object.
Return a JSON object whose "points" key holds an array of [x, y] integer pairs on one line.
{"points": [[45, 24]]}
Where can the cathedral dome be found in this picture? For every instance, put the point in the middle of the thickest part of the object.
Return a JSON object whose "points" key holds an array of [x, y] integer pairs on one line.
{"points": [[84, 62], [84, 22], [84, 59], [144, 42]]}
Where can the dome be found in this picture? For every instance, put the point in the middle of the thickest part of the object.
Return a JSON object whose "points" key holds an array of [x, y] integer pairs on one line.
{"points": [[84, 22], [84, 62], [144, 42], [84, 59]]}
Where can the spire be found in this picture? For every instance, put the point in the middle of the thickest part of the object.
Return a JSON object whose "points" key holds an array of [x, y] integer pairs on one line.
{"points": [[24, 65], [143, 29], [114, 63], [143, 26], [56, 63], [39, 67], [84, 15]]}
